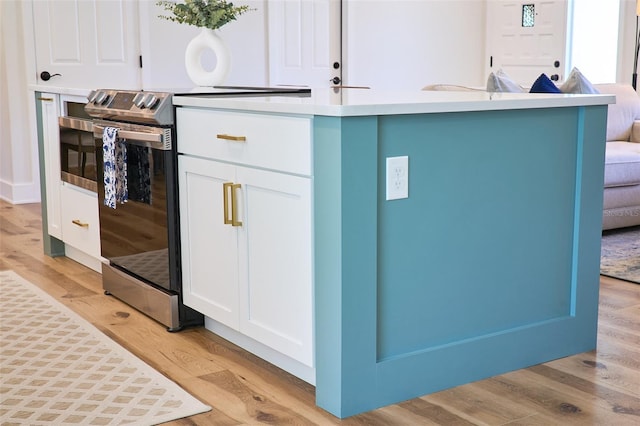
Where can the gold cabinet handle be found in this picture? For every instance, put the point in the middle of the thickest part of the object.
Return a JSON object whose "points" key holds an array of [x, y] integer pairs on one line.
{"points": [[229, 190], [231, 137], [79, 223], [45, 99], [234, 205], [225, 202]]}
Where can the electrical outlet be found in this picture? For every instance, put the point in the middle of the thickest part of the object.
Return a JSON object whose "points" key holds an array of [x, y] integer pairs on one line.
{"points": [[397, 178]]}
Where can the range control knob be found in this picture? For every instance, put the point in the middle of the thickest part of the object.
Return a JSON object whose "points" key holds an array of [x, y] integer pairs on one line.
{"points": [[138, 100], [150, 101], [101, 98]]}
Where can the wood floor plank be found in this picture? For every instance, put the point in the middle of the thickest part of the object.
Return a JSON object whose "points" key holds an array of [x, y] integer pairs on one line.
{"points": [[600, 387], [589, 367], [477, 405]]}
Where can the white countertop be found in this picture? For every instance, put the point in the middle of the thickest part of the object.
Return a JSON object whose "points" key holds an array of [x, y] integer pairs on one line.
{"points": [[354, 102]]}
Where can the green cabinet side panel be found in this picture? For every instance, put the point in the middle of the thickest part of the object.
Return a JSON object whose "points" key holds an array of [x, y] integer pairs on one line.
{"points": [[52, 246], [490, 265]]}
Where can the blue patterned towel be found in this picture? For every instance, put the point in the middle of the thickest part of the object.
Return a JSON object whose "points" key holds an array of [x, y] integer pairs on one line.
{"points": [[114, 153]]}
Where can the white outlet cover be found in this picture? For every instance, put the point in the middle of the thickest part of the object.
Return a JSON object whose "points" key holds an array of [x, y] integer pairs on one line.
{"points": [[397, 177]]}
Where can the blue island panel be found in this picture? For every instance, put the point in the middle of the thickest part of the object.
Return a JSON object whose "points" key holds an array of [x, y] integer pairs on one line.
{"points": [[490, 265]]}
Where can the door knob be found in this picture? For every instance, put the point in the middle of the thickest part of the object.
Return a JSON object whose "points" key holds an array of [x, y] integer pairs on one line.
{"points": [[335, 80], [46, 76]]}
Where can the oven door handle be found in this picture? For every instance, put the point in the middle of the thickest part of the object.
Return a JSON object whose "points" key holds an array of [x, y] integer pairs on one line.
{"points": [[152, 140], [76, 124]]}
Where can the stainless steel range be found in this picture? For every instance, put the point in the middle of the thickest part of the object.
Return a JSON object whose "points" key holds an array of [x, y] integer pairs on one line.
{"points": [[137, 190]]}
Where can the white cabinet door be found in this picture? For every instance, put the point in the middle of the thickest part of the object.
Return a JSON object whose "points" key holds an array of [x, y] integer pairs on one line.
{"points": [[209, 247], [276, 300], [51, 144], [255, 277], [91, 43]]}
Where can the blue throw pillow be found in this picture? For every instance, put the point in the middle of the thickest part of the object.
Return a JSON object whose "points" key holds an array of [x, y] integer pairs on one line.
{"points": [[544, 85]]}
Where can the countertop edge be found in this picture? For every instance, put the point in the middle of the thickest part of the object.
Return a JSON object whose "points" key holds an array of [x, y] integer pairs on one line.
{"points": [[455, 104]]}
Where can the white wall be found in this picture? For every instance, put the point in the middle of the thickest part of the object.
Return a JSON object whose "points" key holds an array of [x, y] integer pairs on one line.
{"points": [[163, 44], [408, 44], [19, 175]]}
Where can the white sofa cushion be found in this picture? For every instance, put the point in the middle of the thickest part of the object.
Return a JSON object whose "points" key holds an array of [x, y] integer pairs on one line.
{"points": [[623, 112], [622, 164]]}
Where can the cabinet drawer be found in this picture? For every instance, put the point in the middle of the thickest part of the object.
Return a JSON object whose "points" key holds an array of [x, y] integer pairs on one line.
{"points": [[80, 221], [274, 142]]}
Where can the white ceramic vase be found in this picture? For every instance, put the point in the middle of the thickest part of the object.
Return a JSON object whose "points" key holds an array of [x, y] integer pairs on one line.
{"points": [[207, 39]]}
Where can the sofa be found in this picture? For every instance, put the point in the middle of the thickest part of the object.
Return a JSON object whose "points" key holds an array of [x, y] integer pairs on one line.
{"points": [[622, 159]]}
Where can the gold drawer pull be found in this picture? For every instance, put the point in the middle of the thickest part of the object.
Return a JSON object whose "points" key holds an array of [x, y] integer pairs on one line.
{"points": [[232, 138], [81, 224], [46, 99]]}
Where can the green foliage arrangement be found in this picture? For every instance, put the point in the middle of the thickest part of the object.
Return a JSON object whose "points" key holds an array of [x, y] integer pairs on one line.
{"points": [[211, 14]]}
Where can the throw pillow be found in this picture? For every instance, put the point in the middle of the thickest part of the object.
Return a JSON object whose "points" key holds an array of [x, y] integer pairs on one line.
{"points": [[578, 83], [501, 82], [544, 85]]}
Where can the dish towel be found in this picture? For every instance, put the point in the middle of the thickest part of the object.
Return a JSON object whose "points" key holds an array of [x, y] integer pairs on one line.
{"points": [[114, 153]]}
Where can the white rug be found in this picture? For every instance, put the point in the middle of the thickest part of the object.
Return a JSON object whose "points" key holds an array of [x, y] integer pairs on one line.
{"points": [[56, 368]]}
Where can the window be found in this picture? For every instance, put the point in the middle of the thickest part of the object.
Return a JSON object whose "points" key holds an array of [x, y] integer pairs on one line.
{"points": [[528, 15]]}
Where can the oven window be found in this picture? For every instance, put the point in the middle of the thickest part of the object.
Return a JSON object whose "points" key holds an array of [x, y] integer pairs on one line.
{"points": [[77, 152]]}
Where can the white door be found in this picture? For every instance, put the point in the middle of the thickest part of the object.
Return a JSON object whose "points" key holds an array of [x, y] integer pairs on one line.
{"points": [[209, 246], [90, 43], [275, 255], [305, 42], [527, 38]]}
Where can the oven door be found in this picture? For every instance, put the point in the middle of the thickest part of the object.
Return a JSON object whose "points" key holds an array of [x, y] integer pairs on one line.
{"points": [[139, 236]]}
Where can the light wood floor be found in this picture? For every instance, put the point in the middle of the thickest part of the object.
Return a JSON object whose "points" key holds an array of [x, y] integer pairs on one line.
{"points": [[601, 387]]}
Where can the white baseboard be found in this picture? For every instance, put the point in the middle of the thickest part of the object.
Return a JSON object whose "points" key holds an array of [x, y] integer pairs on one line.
{"points": [[83, 258], [298, 369], [19, 193]]}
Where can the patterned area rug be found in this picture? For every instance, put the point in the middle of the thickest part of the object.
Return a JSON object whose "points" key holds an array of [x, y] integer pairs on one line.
{"points": [[620, 256], [56, 368]]}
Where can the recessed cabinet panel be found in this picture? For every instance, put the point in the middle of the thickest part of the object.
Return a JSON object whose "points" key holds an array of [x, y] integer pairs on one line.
{"points": [[64, 35], [275, 262], [209, 254], [111, 41]]}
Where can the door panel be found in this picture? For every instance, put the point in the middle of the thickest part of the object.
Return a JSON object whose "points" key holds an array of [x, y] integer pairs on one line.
{"points": [[526, 39], [304, 42], [209, 253], [274, 244], [91, 43]]}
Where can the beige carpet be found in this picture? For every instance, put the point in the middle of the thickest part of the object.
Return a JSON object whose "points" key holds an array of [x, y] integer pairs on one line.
{"points": [[57, 369]]}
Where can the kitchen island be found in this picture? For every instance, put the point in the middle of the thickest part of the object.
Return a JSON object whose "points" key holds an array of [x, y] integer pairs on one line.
{"points": [[490, 264]]}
